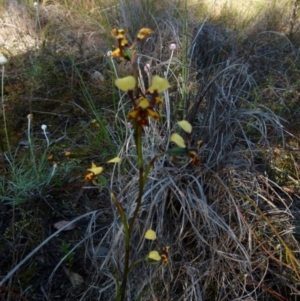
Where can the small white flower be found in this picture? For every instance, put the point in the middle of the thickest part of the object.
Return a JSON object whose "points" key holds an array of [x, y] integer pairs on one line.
{"points": [[173, 46], [44, 128], [3, 60], [109, 53], [35, 4], [129, 125]]}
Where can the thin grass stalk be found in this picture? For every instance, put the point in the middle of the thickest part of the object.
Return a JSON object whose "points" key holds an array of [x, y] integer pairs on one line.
{"points": [[92, 105], [290, 257], [170, 60], [150, 165], [184, 58], [138, 131], [293, 20], [122, 289], [32, 155], [4, 115]]}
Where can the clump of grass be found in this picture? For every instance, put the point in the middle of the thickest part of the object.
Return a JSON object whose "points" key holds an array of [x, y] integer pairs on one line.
{"points": [[211, 45], [29, 177]]}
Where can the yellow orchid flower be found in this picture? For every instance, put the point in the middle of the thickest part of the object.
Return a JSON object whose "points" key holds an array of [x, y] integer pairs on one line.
{"points": [[123, 47], [159, 84], [185, 125], [96, 170], [144, 33], [178, 140], [154, 255], [150, 234], [118, 33], [142, 112], [126, 83]]}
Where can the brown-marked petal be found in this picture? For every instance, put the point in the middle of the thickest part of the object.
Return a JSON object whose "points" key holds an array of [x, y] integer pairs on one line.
{"points": [[132, 115], [124, 42], [118, 33], [144, 33], [158, 100], [116, 53], [153, 114], [164, 254], [89, 176]]}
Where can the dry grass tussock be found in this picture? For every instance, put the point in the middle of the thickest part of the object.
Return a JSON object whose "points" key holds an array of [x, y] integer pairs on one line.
{"points": [[222, 246]]}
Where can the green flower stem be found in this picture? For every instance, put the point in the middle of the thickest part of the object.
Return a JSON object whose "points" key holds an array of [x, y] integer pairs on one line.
{"points": [[135, 74], [138, 141], [142, 180], [121, 292], [126, 264], [117, 285], [127, 268]]}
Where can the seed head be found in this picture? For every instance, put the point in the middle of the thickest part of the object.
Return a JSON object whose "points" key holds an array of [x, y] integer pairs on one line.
{"points": [[173, 46], [3, 60], [147, 68]]}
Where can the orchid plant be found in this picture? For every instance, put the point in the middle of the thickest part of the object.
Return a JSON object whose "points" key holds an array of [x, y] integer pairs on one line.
{"points": [[144, 103]]}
